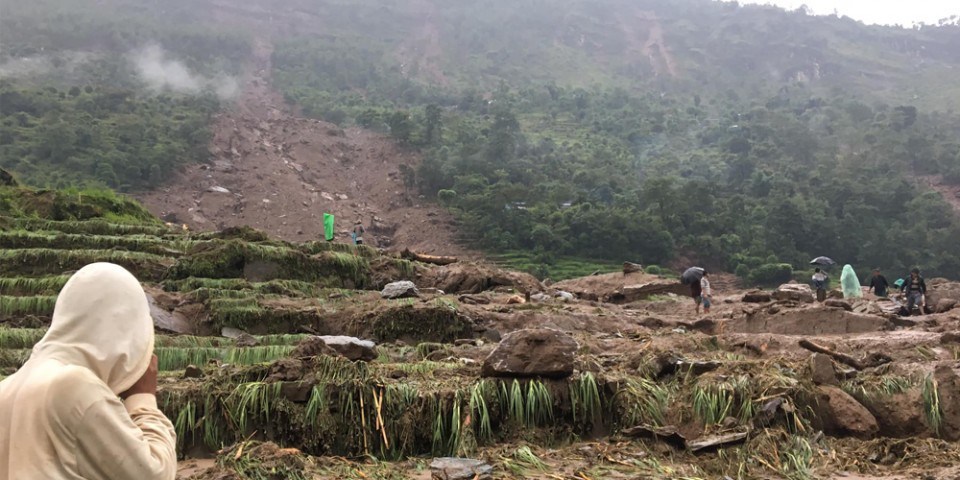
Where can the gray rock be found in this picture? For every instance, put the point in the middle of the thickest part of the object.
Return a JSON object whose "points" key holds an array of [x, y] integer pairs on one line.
{"points": [[797, 292], [246, 340], [217, 189], [167, 320], [450, 468], [351, 347], [822, 370], [540, 352], [404, 289], [565, 296], [539, 297], [232, 333]]}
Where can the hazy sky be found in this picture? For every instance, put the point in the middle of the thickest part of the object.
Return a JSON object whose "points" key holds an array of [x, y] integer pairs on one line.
{"points": [[885, 12]]}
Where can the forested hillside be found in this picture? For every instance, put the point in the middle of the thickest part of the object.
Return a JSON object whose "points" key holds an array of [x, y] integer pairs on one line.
{"points": [[658, 131]]}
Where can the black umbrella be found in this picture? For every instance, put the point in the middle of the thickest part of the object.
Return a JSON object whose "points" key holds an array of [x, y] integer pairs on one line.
{"points": [[693, 274], [825, 261]]}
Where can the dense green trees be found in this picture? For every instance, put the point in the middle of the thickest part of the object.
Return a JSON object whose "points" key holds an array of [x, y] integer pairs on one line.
{"points": [[741, 138]]}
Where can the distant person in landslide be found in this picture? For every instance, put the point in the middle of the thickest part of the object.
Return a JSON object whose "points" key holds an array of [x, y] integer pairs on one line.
{"points": [[696, 291], [706, 292], [878, 284], [84, 405], [358, 233], [915, 289]]}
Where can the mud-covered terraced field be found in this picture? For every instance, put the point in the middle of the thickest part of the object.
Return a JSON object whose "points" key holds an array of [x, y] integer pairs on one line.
{"points": [[654, 393]]}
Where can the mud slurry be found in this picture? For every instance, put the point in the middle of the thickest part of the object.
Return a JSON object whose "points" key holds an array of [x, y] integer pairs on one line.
{"points": [[656, 393]]}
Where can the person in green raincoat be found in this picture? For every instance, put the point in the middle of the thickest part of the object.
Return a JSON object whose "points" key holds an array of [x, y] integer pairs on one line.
{"points": [[850, 283]]}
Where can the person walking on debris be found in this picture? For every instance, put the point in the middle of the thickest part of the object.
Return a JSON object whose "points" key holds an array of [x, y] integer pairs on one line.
{"points": [[915, 289], [84, 405], [878, 284], [358, 233], [696, 291], [820, 284], [706, 292]]}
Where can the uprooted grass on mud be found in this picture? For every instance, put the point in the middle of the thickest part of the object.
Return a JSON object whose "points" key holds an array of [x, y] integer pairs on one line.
{"points": [[648, 390]]}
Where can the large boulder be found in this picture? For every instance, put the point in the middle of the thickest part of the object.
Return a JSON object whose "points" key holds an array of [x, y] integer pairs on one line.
{"points": [[757, 296], [404, 289], [948, 391], [797, 292], [351, 347], [540, 352], [842, 415], [944, 305], [449, 468], [900, 415]]}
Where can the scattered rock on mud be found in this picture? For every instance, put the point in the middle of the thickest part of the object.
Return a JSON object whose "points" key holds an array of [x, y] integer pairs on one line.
{"points": [[839, 303], [540, 352], [757, 296], [312, 347], [822, 370], [842, 415], [449, 468], [810, 321], [797, 292], [404, 289], [192, 371]]}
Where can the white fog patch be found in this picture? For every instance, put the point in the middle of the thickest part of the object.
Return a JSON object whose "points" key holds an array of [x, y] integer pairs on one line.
{"points": [[162, 72]]}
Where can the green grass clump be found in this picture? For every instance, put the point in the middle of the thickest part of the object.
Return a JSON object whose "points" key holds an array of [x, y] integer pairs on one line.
{"points": [[35, 305], [33, 285], [931, 404], [16, 338], [14, 357], [317, 247], [69, 241], [178, 358], [559, 268], [44, 261], [86, 227], [640, 401]]}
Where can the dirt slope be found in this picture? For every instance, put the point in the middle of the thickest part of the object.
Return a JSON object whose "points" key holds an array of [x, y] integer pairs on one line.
{"points": [[279, 172]]}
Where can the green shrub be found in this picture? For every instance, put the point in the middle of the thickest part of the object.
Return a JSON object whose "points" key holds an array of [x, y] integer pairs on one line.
{"points": [[653, 269], [771, 274]]}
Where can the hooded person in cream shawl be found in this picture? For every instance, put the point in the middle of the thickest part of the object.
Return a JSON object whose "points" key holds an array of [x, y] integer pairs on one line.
{"points": [[84, 406]]}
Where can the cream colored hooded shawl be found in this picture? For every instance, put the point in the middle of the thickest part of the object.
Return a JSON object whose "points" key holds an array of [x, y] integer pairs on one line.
{"points": [[60, 417]]}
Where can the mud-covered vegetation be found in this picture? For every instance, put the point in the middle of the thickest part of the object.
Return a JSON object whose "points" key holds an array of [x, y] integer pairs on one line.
{"points": [[652, 393]]}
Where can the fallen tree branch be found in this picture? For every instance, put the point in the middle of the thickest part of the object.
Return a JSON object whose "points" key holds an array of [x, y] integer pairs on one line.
{"points": [[433, 259], [840, 357]]}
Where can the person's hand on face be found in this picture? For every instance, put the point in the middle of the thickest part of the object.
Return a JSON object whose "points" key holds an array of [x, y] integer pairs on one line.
{"points": [[147, 383]]}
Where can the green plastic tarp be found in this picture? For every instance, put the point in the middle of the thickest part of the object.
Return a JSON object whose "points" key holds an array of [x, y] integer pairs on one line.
{"points": [[850, 283], [328, 226]]}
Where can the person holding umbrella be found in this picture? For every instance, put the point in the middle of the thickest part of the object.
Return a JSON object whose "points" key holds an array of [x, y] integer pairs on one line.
{"points": [[820, 283]]}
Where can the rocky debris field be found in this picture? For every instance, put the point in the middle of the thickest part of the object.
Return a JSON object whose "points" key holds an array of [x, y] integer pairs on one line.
{"points": [[310, 360], [279, 172]]}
